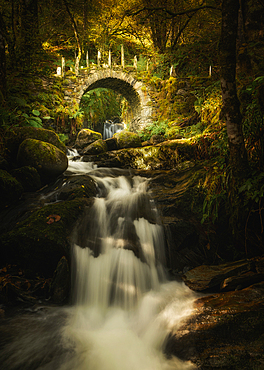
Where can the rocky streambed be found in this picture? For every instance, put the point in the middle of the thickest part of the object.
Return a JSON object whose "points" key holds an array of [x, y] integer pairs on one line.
{"points": [[226, 330]]}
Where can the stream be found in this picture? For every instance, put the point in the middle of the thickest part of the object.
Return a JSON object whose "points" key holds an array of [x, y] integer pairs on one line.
{"points": [[123, 306]]}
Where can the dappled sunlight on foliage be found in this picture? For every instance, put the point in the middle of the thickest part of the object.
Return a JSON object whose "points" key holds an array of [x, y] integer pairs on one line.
{"points": [[101, 104]]}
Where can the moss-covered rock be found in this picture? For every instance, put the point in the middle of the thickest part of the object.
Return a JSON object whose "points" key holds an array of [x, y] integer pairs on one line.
{"points": [[40, 241], [86, 137], [15, 137], [79, 186], [28, 177], [10, 189], [126, 139], [97, 147], [48, 160]]}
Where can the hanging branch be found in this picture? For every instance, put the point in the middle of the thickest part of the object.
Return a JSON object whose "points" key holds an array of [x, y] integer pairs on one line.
{"points": [[77, 37]]}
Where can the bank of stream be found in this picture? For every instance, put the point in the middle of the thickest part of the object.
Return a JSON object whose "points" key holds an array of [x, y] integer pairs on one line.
{"points": [[103, 266]]}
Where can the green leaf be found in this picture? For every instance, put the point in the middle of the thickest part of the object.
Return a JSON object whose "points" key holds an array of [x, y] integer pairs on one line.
{"points": [[34, 123], [36, 112]]}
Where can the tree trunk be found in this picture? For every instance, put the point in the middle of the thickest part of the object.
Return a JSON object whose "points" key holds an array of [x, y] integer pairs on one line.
{"points": [[29, 43], [77, 37], [231, 104]]}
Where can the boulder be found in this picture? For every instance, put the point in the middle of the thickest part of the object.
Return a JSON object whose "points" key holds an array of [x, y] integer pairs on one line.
{"points": [[38, 242], [60, 285], [165, 155], [86, 137], [48, 160], [79, 186], [97, 147], [225, 331], [28, 177], [203, 278], [14, 138], [10, 189], [111, 144], [156, 139], [126, 139]]}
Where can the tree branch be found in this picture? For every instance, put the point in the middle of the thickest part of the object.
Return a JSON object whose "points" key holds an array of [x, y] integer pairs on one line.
{"points": [[172, 14], [75, 29]]}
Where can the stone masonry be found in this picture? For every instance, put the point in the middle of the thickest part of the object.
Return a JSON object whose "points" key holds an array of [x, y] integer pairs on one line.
{"points": [[135, 92]]}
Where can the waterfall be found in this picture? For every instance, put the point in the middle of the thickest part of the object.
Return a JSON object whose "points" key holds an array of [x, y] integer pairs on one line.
{"points": [[123, 306], [110, 128]]}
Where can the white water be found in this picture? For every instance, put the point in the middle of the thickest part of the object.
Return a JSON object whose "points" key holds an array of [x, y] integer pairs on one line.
{"points": [[123, 306], [110, 128]]}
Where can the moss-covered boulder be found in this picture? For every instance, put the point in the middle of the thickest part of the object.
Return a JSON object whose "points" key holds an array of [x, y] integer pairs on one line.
{"points": [[78, 186], [10, 189], [15, 137], [97, 147], [86, 137], [126, 139], [28, 177], [49, 161], [39, 242]]}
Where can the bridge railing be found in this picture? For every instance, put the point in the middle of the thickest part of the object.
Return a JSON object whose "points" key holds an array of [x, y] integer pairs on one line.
{"points": [[77, 69]]}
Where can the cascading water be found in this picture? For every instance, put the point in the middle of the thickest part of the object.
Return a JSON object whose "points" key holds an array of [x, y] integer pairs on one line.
{"points": [[123, 306], [110, 128]]}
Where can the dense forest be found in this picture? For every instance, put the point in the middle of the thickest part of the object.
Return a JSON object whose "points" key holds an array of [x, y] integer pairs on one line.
{"points": [[217, 45], [144, 250]]}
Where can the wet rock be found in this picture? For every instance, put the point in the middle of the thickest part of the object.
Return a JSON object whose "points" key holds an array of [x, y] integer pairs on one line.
{"points": [[77, 187], [48, 160], [163, 156], [86, 137], [180, 209], [97, 147], [126, 139], [241, 281], [28, 177], [10, 189], [38, 242], [155, 139], [15, 137], [205, 277], [60, 285], [111, 144], [225, 332]]}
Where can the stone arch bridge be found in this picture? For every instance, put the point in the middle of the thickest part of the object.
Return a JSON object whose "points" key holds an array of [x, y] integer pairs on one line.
{"points": [[135, 92]]}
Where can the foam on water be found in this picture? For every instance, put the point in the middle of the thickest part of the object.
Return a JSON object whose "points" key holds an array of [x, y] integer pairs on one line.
{"points": [[123, 308]]}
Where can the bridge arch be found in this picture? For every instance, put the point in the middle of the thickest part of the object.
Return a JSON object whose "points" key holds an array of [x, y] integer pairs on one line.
{"points": [[135, 92]]}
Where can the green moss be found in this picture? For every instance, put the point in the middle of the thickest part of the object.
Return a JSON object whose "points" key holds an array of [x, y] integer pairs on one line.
{"points": [[39, 245], [126, 139], [45, 157], [97, 147], [16, 136]]}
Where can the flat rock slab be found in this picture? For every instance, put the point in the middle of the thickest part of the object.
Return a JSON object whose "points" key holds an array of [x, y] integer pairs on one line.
{"points": [[204, 278], [225, 332]]}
